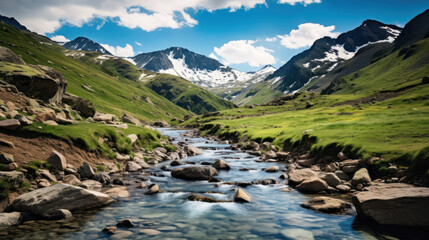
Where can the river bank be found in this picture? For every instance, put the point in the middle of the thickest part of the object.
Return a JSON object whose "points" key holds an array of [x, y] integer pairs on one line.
{"points": [[275, 211]]}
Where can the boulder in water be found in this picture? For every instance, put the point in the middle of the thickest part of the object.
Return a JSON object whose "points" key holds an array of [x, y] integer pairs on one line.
{"points": [[59, 196], [242, 196], [327, 205], [220, 164], [394, 204], [194, 173]]}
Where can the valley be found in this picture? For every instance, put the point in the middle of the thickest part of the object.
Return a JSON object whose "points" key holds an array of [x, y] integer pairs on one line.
{"points": [[175, 144]]}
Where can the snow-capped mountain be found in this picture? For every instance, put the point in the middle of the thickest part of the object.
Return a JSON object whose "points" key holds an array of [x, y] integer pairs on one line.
{"points": [[85, 44], [326, 53], [196, 68], [250, 78]]}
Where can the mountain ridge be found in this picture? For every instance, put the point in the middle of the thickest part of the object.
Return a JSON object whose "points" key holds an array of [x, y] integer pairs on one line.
{"points": [[85, 44]]}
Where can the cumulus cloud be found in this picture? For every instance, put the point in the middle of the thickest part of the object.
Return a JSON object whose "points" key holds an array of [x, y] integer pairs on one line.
{"points": [[212, 55], [306, 34], [60, 38], [119, 51], [304, 2], [49, 15], [244, 51], [272, 39]]}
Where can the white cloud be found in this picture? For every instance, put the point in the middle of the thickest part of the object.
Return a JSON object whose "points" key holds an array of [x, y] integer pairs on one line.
{"points": [[119, 51], [306, 34], [137, 43], [272, 39], [244, 51], [212, 55], [60, 38], [304, 2], [49, 15]]}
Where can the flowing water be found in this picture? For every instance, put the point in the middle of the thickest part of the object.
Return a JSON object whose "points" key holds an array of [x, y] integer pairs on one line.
{"points": [[169, 215]]}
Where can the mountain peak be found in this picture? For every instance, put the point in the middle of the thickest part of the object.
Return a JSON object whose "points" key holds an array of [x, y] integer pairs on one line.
{"points": [[85, 44], [13, 22]]}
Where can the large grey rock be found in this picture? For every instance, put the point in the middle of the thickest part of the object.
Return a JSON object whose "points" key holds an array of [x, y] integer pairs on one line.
{"points": [[296, 177], [361, 176], [313, 185], [83, 106], [327, 205], [57, 160], [194, 173], [132, 166], [44, 83], [10, 124], [59, 196], [332, 179], [103, 178], [220, 164], [128, 118], [141, 162], [86, 171], [192, 151], [104, 117], [394, 204]]}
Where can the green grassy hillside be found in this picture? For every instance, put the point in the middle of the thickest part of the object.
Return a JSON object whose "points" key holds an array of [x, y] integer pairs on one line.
{"points": [[381, 110], [186, 94], [112, 94], [175, 89]]}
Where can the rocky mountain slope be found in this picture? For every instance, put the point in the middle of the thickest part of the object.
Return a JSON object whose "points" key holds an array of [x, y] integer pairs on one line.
{"points": [[327, 52], [13, 22], [85, 44], [112, 94], [196, 68], [414, 31], [324, 56], [239, 92]]}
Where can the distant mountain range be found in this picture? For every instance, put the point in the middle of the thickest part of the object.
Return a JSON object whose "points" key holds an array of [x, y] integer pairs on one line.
{"points": [[196, 68], [311, 70], [85, 44]]}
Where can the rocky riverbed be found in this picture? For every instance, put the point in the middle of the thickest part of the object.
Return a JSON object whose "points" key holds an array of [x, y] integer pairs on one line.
{"points": [[227, 194]]}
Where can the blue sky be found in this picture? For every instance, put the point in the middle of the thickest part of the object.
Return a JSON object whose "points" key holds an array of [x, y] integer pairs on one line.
{"points": [[234, 31]]}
